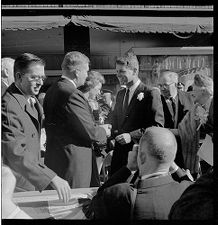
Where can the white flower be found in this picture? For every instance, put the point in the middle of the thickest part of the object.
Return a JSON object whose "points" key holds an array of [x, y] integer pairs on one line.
{"points": [[201, 115], [140, 96]]}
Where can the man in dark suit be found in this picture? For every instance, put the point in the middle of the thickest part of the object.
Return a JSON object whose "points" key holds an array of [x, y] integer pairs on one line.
{"points": [[137, 107], [156, 191], [21, 127], [176, 104], [70, 128], [7, 73]]}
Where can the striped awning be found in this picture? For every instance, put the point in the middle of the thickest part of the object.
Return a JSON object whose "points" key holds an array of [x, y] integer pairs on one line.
{"points": [[114, 23]]}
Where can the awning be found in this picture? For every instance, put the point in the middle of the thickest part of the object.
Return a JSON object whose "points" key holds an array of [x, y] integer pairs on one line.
{"points": [[146, 24], [33, 22], [114, 23]]}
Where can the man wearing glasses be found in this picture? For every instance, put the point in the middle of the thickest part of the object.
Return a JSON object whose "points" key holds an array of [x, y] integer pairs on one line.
{"points": [[176, 103], [21, 127]]}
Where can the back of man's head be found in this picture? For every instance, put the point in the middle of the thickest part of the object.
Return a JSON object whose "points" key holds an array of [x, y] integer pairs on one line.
{"points": [[7, 69], [158, 146], [74, 60]]}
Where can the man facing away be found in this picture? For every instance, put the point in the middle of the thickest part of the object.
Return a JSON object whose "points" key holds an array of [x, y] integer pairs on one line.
{"points": [[7, 73], [176, 104], [137, 107], [156, 190], [21, 126], [70, 128]]}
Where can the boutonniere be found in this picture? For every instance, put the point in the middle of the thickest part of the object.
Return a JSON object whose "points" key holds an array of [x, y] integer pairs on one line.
{"points": [[201, 115], [140, 96]]}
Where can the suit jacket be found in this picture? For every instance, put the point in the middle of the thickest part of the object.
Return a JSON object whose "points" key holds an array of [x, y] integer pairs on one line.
{"points": [[139, 115], [70, 131], [20, 141], [3, 88], [185, 103], [154, 198]]}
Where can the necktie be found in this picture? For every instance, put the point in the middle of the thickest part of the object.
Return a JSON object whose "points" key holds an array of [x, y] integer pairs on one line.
{"points": [[173, 105], [32, 102], [126, 101]]}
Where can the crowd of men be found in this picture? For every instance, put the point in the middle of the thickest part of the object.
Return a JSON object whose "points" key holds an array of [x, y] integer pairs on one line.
{"points": [[148, 130]]}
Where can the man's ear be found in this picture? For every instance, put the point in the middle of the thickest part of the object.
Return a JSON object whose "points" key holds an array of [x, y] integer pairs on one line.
{"points": [[17, 76], [135, 71]]}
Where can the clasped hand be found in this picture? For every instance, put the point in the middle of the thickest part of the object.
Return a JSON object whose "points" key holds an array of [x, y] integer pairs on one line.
{"points": [[107, 128], [123, 139]]}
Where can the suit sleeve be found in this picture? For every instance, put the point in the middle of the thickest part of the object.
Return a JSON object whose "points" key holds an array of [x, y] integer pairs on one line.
{"points": [[79, 116], [16, 153], [156, 112]]}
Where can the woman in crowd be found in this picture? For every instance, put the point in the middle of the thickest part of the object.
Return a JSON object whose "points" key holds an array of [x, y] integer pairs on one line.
{"points": [[189, 128], [92, 92]]}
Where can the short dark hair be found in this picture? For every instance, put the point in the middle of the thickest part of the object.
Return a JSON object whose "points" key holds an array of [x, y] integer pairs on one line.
{"points": [[23, 61], [129, 60]]}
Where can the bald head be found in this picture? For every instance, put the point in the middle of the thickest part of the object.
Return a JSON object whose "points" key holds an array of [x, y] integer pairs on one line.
{"points": [[7, 70], [158, 144]]}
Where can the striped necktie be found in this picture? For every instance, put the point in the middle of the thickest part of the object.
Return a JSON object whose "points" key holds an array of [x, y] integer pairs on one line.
{"points": [[126, 100]]}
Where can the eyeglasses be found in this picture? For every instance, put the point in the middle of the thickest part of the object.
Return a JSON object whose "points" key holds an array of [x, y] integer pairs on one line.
{"points": [[37, 78], [164, 86]]}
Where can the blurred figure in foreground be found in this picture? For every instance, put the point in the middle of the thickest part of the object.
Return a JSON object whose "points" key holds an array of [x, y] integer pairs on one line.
{"points": [[154, 191], [9, 209]]}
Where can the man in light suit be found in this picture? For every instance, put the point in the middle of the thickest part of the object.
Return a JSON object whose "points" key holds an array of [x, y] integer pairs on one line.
{"points": [[176, 104], [70, 128], [156, 190], [137, 107], [21, 127], [7, 73]]}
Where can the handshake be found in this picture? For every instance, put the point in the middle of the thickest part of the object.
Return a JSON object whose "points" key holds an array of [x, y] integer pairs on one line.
{"points": [[107, 128]]}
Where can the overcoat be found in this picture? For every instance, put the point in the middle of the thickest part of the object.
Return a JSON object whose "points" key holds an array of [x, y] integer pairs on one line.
{"points": [[71, 131], [21, 128]]}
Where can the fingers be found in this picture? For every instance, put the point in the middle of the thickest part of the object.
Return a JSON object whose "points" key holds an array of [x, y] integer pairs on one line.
{"points": [[65, 193]]}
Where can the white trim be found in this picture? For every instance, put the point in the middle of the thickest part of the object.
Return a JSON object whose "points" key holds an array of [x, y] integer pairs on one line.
{"points": [[208, 50]]}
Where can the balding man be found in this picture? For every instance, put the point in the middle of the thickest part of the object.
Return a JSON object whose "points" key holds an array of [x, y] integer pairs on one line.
{"points": [[7, 73], [156, 190], [176, 104]]}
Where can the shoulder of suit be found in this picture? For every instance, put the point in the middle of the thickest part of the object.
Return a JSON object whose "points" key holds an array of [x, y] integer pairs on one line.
{"points": [[121, 188]]}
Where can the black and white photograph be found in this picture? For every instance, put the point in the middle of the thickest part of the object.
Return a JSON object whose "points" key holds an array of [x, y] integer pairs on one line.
{"points": [[107, 112]]}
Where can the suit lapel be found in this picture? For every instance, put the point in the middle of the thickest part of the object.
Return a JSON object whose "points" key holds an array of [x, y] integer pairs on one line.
{"points": [[25, 105]]}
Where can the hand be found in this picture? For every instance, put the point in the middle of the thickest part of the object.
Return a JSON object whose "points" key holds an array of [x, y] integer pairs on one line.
{"points": [[107, 128], [62, 187], [123, 139], [132, 158]]}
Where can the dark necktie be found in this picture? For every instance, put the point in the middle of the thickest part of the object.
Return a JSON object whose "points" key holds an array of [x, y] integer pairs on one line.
{"points": [[173, 105], [126, 101]]}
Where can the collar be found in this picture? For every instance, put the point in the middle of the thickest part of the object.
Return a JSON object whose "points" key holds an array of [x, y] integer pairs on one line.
{"points": [[27, 98], [134, 86], [5, 83], [69, 80], [154, 175], [155, 181]]}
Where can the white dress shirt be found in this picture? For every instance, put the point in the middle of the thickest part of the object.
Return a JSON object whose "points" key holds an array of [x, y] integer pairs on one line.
{"points": [[132, 89]]}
